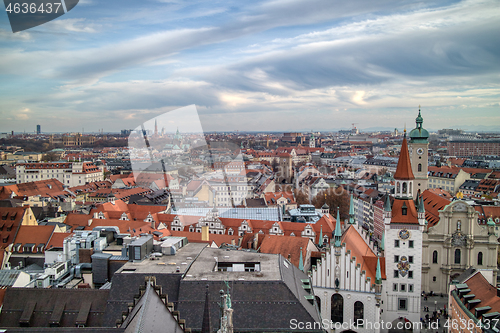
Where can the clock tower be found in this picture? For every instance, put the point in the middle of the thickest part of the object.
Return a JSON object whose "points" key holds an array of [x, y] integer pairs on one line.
{"points": [[404, 224], [419, 147]]}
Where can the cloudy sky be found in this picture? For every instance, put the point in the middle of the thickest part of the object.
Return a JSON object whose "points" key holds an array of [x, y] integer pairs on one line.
{"points": [[255, 65]]}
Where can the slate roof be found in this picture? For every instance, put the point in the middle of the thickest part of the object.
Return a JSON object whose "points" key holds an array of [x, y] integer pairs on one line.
{"points": [[44, 306]]}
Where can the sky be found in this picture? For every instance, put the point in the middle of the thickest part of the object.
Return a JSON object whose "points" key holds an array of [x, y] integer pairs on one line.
{"points": [[281, 65]]}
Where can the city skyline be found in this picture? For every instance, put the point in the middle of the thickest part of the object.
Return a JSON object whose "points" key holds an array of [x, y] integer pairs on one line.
{"points": [[266, 66]]}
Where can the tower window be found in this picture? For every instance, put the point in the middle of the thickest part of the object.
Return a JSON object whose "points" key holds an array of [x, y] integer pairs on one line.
{"points": [[396, 243], [457, 256], [404, 209], [435, 257], [480, 258], [396, 273], [396, 258], [410, 244]]}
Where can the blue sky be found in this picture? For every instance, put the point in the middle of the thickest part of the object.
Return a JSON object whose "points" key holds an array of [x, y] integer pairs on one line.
{"points": [[255, 65]]}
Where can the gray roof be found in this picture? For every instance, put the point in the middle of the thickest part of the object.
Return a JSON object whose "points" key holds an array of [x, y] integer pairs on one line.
{"points": [[265, 213], [8, 277]]}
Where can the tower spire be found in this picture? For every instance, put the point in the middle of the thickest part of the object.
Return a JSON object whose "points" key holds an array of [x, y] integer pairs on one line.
{"points": [[338, 233], [351, 211], [378, 274], [301, 261]]}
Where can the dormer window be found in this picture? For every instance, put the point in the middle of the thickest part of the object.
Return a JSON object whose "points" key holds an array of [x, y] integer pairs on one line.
{"points": [[404, 209]]}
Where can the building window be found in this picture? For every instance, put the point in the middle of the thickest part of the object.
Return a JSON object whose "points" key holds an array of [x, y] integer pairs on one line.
{"points": [[435, 257], [410, 244], [396, 258], [480, 258], [396, 243], [402, 304], [337, 314], [394, 287], [410, 274], [410, 259], [403, 287], [419, 167], [457, 256], [410, 288], [358, 311], [396, 273], [433, 279]]}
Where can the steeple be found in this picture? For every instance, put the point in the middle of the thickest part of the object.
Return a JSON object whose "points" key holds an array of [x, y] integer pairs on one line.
{"points": [[382, 243], [301, 261], [351, 211], [378, 274], [404, 175], [387, 205], [419, 134], [338, 232]]}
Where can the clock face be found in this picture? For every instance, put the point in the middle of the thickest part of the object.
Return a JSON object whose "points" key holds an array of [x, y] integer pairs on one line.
{"points": [[404, 234], [420, 151]]}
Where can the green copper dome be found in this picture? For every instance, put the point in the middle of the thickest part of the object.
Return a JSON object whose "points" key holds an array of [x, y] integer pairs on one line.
{"points": [[419, 134]]}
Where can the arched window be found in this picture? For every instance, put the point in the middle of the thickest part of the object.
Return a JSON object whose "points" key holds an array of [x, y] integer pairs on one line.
{"points": [[358, 311], [318, 301], [419, 167], [480, 258], [337, 315], [435, 257], [457, 256], [404, 187], [399, 188]]}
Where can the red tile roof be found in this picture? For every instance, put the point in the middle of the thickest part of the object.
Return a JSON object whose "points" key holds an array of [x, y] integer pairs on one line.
{"points": [[10, 221], [285, 245], [403, 170], [34, 234], [364, 255], [433, 203], [411, 216]]}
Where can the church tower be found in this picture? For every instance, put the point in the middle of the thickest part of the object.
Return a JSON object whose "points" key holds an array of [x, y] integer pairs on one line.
{"points": [[419, 147], [404, 224]]}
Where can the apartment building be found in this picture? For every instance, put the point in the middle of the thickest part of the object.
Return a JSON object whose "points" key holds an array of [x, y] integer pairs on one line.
{"points": [[68, 173]]}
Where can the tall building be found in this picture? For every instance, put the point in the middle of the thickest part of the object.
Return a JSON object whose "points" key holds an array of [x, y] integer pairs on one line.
{"points": [[38, 129], [419, 148], [404, 225]]}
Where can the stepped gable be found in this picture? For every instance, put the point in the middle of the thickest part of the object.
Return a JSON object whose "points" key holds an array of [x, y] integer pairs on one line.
{"points": [[364, 255]]}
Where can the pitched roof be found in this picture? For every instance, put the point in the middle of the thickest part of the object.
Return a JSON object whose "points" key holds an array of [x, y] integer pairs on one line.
{"points": [[48, 187], [10, 221], [34, 234], [403, 170], [285, 245], [411, 216], [364, 255], [433, 204], [484, 291]]}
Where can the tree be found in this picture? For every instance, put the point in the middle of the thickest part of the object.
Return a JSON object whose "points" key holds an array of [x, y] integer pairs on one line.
{"points": [[334, 197], [301, 197]]}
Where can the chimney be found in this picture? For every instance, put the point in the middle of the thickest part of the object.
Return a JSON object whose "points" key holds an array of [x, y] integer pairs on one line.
{"points": [[204, 233], [77, 243]]}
